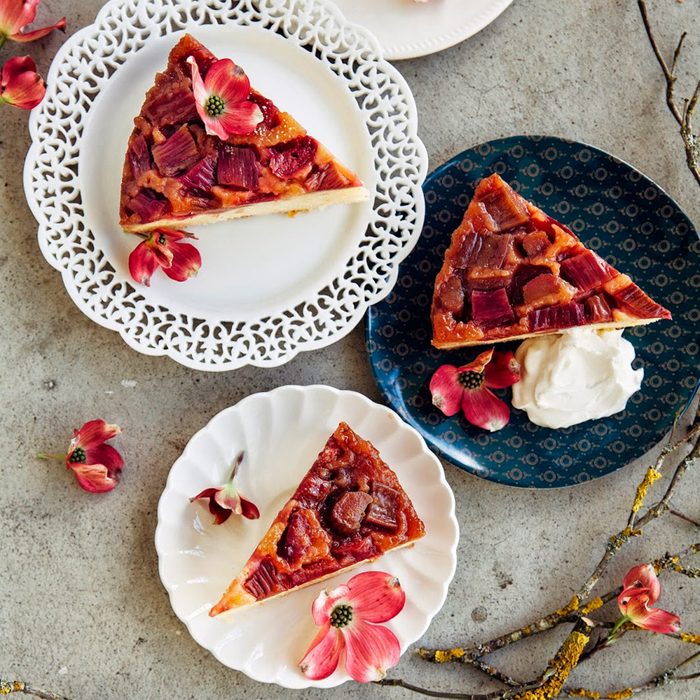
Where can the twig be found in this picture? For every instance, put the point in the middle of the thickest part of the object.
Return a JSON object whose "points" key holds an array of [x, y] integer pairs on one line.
{"points": [[9, 687], [685, 517], [683, 117]]}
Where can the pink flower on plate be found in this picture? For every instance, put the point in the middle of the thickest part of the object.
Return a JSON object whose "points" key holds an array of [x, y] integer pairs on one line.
{"points": [[467, 387], [15, 15], [222, 99], [96, 465], [226, 500], [164, 248], [640, 590], [349, 616], [20, 85]]}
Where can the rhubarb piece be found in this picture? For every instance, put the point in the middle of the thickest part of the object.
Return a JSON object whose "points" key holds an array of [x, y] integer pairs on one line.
{"points": [[349, 508], [327, 177], [238, 167], [556, 318], [491, 308], [176, 154], [597, 309], [586, 271], [290, 159], [147, 204], [139, 157], [200, 177], [511, 271], [276, 167], [632, 300]]}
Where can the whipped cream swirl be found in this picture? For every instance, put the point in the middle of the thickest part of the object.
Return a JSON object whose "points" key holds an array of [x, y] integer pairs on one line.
{"points": [[577, 376]]}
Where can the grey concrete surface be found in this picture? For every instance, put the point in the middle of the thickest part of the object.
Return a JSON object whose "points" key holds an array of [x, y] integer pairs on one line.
{"points": [[82, 611]]}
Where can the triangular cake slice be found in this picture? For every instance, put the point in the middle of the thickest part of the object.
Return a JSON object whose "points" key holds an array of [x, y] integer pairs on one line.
{"points": [[511, 272], [175, 173], [348, 509]]}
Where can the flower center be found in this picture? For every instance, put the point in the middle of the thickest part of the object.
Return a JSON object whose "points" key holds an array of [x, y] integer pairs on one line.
{"points": [[162, 239], [78, 455], [471, 380], [341, 615], [214, 106]]}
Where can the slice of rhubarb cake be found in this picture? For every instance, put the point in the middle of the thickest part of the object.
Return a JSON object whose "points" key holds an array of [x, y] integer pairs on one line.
{"points": [[511, 272], [207, 147]]}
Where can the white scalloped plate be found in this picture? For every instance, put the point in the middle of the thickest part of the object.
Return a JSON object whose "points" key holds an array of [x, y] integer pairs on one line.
{"points": [[282, 431], [408, 29], [269, 286]]}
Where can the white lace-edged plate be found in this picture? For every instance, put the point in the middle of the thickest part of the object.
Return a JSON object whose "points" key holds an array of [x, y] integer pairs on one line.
{"points": [[269, 286]]}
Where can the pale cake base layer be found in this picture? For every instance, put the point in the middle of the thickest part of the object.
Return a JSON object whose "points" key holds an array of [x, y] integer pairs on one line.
{"points": [[616, 325], [246, 600], [303, 202]]}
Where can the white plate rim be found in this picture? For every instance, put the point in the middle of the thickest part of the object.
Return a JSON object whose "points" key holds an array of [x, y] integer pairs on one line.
{"points": [[256, 343], [449, 517], [417, 48]]}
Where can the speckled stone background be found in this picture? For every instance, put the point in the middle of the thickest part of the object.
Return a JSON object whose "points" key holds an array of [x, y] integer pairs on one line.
{"points": [[82, 611]]}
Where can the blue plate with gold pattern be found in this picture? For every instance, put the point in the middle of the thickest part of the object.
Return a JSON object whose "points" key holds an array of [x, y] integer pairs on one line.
{"points": [[624, 217]]}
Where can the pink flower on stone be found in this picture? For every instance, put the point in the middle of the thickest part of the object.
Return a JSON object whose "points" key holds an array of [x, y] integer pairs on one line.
{"points": [[15, 15], [164, 248], [467, 387], [96, 465], [222, 99], [226, 500], [349, 616], [640, 590], [20, 85]]}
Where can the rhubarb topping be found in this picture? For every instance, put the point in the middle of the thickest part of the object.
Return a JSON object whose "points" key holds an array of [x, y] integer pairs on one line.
{"points": [[290, 159], [238, 167], [491, 308], [177, 153]]}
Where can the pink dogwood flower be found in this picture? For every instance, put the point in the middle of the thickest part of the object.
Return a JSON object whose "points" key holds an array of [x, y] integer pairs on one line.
{"points": [[164, 248], [640, 590], [349, 616], [467, 387], [226, 500], [96, 465], [20, 84], [222, 99], [15, 15]]}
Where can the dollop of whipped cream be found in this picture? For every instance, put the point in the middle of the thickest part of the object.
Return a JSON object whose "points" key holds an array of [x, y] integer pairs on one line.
{"points": [[577, 376]]}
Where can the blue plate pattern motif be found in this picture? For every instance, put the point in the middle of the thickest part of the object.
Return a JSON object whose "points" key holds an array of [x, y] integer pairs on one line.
{"points": [[617, 212]]}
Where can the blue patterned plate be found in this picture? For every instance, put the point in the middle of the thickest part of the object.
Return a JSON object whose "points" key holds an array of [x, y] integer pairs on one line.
{"points": [[617, 212]]}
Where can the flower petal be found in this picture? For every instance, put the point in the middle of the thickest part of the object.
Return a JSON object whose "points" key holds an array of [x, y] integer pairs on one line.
{"points": [[21, 85], [107, 456], [478, 364], [326, 601], [93, 433], [446, 389], [143, 262], [186, 262], [228, 497], [241, 118], [206, 493], [24, 37], [376, 596], [643, 576], [369, 651], [200, 92], [484, 409], [636, 606], [249, 509], [228, 81], [94, 477], [503, 371], [323, 655], [16, 14]]}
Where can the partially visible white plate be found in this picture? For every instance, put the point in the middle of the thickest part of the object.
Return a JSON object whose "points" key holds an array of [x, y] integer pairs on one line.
{"points": [[282, 431], [269, 286], [408, 29]]}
